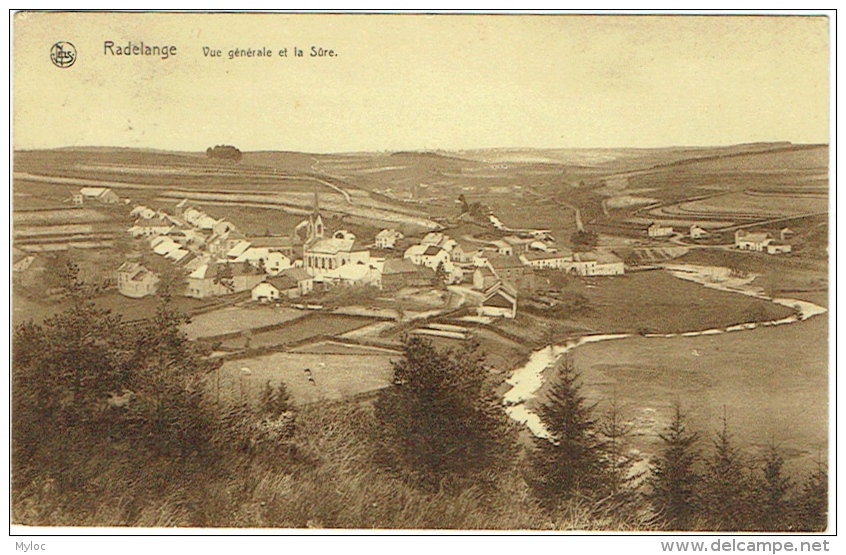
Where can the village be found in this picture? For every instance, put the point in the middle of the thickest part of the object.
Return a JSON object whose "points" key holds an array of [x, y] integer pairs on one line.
{"points": [[309, 291], [219, 260]]}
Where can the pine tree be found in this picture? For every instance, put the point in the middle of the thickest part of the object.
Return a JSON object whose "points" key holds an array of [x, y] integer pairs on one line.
{"points": [[726, 487], [674, 481], [812, 509], [772, 494], [572, 461], [441, 425], [622, 478]]}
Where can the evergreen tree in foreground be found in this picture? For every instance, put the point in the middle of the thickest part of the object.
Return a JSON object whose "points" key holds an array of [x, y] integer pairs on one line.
{"points": [[772, 494], [812, 510], [572, 461], [440, 424], [726, 486], [674, 481]]}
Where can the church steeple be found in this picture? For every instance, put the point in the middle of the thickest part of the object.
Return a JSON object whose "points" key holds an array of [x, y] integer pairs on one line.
{"points": [[315, 222]]}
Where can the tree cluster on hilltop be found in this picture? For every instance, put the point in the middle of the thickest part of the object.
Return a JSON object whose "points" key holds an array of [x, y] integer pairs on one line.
{"points": [[224, 152]]}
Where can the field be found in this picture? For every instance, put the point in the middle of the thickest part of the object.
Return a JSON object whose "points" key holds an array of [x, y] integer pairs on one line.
{"points": [[772, 383], [313, 326], [235, 319], [656, 302], [747, 205], [335, 376]]}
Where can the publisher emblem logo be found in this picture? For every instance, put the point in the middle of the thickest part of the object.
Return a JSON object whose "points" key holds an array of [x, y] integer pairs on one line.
{"points": [[63, 54]]}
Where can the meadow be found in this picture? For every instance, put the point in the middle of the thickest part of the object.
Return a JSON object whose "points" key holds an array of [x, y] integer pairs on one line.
{"points": [[771, 382], [333, 376]]}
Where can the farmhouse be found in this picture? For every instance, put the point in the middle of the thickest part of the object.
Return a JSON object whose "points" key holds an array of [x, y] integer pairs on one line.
{"points": [[354, 274], [292, 283], [512, 270], [657, 230], [583, 264], [103, 195], [209, 280], [499, 302], [387, 238], [284, 245], [464, 252], [757, 242], [502, 248], [557, 260], [397, 274], [484, 278], [429, 256], [136, 281], [143, 212], [151, 227], [435, 238], [608, 264], [778, 247], [272, 262], [518, 245], [697, 232], [786, 233]]}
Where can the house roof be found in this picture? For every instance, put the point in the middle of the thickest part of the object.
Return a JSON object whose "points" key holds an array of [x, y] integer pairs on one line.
{"points": [[330, 246], [143, 274], [759, 237], [500, 299], [415, 250], [282, 282], [93, 192], [238, 249], [397, 266], [499, 261], [562, 254], [349, 272], [272, 241], [388, 233], [297, 274], [212, 269], [432, 250], [129, 267], [177, 254], [432, 238], [584, 257]]}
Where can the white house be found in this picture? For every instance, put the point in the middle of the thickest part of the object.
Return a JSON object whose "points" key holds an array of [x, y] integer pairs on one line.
{"points": [[387, 238], [608, 264], [435, 238], [657, 230], [499, 302], [555, 260], [99, 194], [697, 232], [292, 283], [272, 261], [429, 256], [136, 281], [150, 227], [778, 247], [757, 242]]}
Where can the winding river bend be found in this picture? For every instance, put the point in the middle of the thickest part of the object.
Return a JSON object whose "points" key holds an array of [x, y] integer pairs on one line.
{"points": [[528, 379]]}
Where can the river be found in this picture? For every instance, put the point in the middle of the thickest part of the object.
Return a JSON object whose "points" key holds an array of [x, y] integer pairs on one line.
{"points": [[528, 379]]}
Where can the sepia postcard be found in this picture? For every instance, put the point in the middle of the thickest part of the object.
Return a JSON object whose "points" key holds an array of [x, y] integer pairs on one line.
{"points": [[421, 272]]}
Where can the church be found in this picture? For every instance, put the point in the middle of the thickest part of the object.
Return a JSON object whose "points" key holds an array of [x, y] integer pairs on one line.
{"points": [[322, 254]]}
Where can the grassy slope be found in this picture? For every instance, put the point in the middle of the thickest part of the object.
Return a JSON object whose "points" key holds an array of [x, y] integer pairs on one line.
{"points": [[772, 382]]}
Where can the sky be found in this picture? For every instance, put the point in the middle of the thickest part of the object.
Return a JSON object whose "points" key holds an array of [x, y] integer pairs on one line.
{"points": [[421, 82]]}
